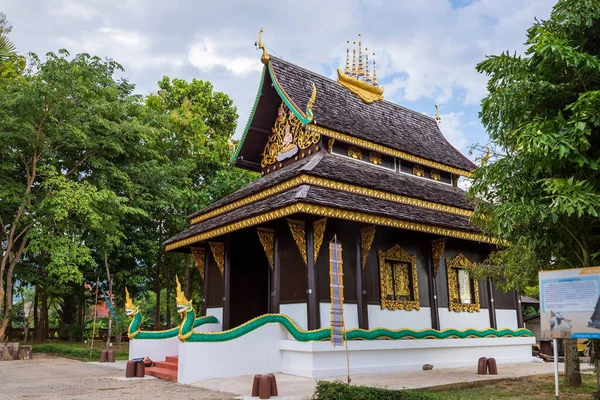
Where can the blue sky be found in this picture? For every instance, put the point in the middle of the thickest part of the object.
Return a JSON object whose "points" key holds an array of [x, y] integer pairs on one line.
{"points": [[426, 49]]}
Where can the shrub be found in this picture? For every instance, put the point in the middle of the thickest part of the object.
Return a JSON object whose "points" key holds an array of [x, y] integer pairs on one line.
{"points": [[80, 353], [340, 391]]}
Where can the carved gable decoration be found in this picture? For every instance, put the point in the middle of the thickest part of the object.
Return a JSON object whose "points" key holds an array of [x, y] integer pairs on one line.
{"points": [[288, 137]]}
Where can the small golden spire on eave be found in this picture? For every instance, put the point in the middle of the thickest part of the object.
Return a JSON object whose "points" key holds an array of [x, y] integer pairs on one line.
{"points": [[361, 71], [374, 72], [367, 74], [438, 119], [486, 157], [353, 73], [347, 69], [264, 58]]}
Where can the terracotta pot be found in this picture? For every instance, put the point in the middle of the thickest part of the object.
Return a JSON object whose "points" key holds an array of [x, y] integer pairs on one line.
{"points": [[148, 362]]}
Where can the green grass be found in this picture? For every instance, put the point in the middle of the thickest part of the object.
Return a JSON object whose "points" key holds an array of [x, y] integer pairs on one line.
{"points": [[340, 391], [530, 388], [78, 351]]}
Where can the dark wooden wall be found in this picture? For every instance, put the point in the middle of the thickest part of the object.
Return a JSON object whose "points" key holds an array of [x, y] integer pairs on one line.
{"points": [[215, 289], [293, 281]]}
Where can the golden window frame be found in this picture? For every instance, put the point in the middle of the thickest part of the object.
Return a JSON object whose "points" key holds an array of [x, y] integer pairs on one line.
{"points": [[452, 267], [398, 254]]}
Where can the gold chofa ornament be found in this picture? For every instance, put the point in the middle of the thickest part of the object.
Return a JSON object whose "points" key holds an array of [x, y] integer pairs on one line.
{"points": [[128, 302], [180, 299]]}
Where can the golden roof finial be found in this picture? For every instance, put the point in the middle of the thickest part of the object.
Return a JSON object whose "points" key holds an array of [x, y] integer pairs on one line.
{"points": [[180, 296], [353, 73], [347, 69], [374, 72], [361, 71], [264, 58], [438, 119], [486, 157], [367, 74], [128, 302]]}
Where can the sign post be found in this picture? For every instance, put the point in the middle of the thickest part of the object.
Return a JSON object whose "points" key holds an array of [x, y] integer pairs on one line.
{"points": [[569, 307]]}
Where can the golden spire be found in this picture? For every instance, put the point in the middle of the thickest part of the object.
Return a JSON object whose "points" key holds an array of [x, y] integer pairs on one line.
{"points": [[361, 71], [180, 296], [264, 58], [438, 119], [128, 302], [353, 73], [367, 74], [347, 69], [374, 72], [486, 157]]}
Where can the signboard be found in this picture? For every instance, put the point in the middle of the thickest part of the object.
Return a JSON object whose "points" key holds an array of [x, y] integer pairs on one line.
{"points": [[570, 303]]}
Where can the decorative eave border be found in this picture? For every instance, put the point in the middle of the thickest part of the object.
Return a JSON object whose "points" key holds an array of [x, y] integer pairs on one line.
{"points": [[386, 150], [334, 213], [331, 184]]}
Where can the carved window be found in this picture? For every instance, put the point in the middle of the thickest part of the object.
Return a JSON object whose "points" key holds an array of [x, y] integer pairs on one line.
{"points": [[398, 278], [463, 291]]}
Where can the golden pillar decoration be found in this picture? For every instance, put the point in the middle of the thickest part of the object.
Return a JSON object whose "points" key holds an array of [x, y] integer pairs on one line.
{"points": [[367, 74], [347, 68], [267, 239], [374, 83], [458, 268], [361, 71], [198, 254], [437, 251], [218, 252], [353, 72], [299, 234], [318, 232], [366, 240]]}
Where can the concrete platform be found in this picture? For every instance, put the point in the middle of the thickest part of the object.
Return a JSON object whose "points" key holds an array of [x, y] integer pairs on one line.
{"points": [[295, 387]]}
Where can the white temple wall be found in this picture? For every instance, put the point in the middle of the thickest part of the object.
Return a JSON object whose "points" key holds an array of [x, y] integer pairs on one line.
{"points": [[350, 315], [216, 312], [297, 312], [464, 320], [506, 319], [156, 349], [397, 319]]}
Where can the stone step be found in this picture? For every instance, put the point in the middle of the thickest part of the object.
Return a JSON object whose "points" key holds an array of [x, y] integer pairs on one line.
{"points": [[166, 364], [172, 359], [162, 373]]}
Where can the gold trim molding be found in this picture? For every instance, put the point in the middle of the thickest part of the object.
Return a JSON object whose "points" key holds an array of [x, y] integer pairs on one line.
{"points": [[218, 251], [199, 254], [387, 150], [398, 254], [332, 213], [452, 267], [318, 233], [327, 183], [437, 251], [299, 234], [267, 239], [366, 240]]}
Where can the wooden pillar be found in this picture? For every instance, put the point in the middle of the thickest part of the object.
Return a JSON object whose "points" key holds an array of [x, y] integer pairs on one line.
{"points": [[207, 256], [227, 283], [492, 305], [433, 299], [275, 277], [314, 320], [519, 309], [361, 301]]}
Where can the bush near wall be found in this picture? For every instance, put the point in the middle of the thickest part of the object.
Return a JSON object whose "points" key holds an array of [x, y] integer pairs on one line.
{"points": [[71, 351], [340, 391]]}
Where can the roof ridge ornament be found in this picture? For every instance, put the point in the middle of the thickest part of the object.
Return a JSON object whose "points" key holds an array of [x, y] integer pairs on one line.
{"points": [[356, 80], [347, 68], [264, 58], [437, 117]]}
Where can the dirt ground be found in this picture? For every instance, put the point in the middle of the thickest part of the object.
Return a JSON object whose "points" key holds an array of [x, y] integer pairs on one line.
{"points": [[56, 378]]}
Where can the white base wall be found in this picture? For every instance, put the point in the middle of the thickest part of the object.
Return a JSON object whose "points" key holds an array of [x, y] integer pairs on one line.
{"points": [[321, 360], [464, 320], [506, 319], [297, 312], [216, 312], [397, 319], [350, 315], [209, 328], [156, 349], [254, 353]]}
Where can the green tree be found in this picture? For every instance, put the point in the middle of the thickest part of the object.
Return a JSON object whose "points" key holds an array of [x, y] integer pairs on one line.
{"points": [[7, 48], [542, 113]]}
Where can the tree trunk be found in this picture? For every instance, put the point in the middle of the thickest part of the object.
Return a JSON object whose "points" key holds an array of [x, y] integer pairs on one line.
{"points": [[36, 320], [186, 276], [572, 372], [45, 319], [157, 324], [168, 299], [109, 298]]}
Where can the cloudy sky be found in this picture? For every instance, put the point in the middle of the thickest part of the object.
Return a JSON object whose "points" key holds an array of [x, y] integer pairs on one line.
{"points": [[426, 49]]}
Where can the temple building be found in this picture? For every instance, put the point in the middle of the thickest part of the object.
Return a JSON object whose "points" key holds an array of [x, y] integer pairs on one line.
{"points": [[336, 159]]}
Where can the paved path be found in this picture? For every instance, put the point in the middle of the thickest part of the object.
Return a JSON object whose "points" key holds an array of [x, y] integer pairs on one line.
{"points": [[56, 378]]}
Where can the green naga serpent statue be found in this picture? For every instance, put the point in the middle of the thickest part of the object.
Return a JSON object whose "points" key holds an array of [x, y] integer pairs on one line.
{"points": [[183, 331]]}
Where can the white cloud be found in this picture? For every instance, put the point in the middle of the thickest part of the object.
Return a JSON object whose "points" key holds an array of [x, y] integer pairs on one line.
{"points": [[451, 126], [208, 54]]}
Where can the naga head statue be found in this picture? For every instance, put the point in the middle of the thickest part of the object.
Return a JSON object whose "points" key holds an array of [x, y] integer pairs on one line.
{"points": [[130, 308], [183, 304]]}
